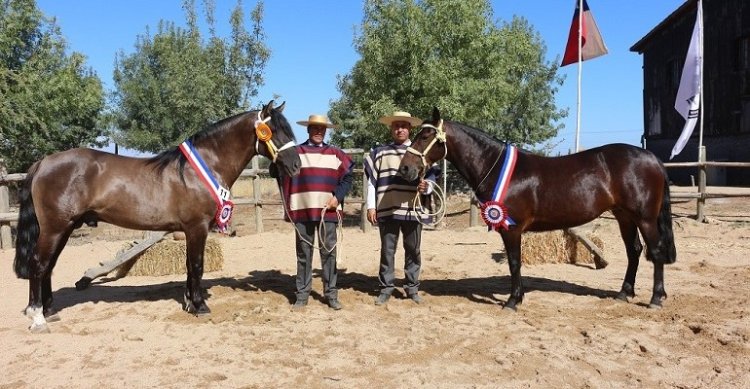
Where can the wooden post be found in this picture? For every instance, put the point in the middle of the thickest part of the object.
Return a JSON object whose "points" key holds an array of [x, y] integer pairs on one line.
{"points": [[701, 184], [256, 196], [363, 223], [6, 240], [473, 213]]}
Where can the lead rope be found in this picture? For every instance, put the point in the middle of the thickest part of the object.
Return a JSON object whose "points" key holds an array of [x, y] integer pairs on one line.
{"points": [[437, 216], [321, 230]]}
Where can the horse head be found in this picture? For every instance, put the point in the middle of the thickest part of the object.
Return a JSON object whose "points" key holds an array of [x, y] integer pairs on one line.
{"points": [[274, 130], [427, 147]]}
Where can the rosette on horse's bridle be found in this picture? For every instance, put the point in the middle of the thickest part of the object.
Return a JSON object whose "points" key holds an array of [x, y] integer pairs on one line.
{"points": [[264, 134]]}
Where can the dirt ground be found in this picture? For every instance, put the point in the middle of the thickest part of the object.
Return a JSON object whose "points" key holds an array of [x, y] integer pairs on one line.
{"points": [[569, 332]]}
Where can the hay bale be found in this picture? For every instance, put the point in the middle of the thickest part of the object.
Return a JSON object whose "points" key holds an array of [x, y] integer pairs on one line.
{"points": [[543, 247], [555, 247], [168, 257]]}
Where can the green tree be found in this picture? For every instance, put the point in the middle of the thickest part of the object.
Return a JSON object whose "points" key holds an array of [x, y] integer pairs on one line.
{"points": [[416, 54], [49, 101], [175, 83]]}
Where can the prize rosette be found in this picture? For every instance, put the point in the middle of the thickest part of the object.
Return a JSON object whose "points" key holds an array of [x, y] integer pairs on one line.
{"points": [[495, 215], [224, 215]]}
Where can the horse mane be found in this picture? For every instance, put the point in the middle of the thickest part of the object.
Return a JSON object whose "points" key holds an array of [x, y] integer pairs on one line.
{"points": [[167, 157], [479, 134]]}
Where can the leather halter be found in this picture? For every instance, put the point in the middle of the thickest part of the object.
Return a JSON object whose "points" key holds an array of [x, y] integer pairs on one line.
{"points": [[439, 137], [264, 134]]}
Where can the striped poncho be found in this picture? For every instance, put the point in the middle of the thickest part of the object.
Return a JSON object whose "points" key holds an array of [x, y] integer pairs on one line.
{"points": [[394, 196], [326, 170]]}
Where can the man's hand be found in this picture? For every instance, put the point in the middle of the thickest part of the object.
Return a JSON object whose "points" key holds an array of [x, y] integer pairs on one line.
{"points": [[423, 185], [372, 216], [332, 203]]}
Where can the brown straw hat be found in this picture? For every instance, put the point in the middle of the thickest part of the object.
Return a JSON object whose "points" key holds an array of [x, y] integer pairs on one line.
{"points": [[400, 116], [316, 120]]}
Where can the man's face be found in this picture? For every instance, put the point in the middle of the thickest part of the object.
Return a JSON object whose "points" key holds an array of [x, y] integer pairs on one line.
{"points": [[317, 133], [400, 131]]}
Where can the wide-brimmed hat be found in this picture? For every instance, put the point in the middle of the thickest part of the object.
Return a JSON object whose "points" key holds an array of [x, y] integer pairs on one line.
{"points": [[316, 120], [400, 116]]}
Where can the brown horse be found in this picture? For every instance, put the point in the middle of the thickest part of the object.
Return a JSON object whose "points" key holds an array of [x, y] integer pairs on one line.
{"points": [[555, 193], [67, 189]]}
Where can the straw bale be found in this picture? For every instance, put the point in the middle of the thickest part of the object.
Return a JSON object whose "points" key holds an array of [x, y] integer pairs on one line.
{"points": [[169, 257], [555, 247]]}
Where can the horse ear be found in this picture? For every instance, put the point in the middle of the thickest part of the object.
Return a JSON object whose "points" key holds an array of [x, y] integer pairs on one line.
{"points": [[266, 110], [435, 114], [280, 108]]}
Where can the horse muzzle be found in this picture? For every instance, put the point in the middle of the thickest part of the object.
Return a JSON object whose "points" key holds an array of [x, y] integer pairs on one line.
{"points": [[409, 173], [289, 162]]}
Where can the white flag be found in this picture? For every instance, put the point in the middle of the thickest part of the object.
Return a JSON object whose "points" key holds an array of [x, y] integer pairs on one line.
{"points": [[688, 100]]}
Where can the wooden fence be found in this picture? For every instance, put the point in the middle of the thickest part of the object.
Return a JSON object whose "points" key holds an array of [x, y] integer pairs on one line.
{"points": [[701, 194]]}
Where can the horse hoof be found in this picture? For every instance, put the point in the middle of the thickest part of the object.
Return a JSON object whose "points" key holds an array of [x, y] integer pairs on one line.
{"points": [[623, 297], [655, 305], [39, 329], [202, 311]]}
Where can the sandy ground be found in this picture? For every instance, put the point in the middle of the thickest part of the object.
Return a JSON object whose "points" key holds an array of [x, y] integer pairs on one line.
{"points": [[569, 332]]}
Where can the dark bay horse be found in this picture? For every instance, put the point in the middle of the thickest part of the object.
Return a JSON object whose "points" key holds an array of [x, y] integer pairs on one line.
{"points": [[66, 189], [555, 193]]}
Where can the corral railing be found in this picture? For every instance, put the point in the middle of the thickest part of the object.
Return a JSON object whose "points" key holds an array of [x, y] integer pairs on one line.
{"points": [[700, 193]]}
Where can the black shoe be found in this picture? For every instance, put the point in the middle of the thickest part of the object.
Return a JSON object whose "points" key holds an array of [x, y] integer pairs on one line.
{"points": [[335, 304], [416, 298], [382, 299]]}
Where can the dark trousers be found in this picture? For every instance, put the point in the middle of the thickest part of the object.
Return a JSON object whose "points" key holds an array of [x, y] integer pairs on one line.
{"points": [[389, 232], [308, 232]]}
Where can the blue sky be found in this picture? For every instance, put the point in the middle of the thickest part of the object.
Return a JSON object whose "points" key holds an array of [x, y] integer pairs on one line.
{"points": [[311, 43]]}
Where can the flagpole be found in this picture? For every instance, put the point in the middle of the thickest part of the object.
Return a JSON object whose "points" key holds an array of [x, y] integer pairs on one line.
{"points": [[580, 72], [700, 54], [701, 148]]}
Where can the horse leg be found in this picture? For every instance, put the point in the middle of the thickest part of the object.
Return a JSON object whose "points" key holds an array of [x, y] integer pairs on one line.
{"points": [[50, 314], [40, 280], [651, 236], [512, 241], [196, 243], [633, 248]]}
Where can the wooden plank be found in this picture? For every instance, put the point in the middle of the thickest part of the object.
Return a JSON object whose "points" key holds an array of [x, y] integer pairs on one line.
{"points": [[121, 258], [599, 260]]}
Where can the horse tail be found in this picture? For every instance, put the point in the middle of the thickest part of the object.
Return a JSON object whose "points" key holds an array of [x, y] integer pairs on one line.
{"points": [[666, 247], [28, 227]]}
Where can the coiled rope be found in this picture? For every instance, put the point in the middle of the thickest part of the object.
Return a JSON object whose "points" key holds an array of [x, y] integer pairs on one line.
{"points": [[321, 229], [436, 216]]}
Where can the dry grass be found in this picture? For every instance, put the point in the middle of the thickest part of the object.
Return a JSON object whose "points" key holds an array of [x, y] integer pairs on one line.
{"points": [[555, 247], [168, 257]]}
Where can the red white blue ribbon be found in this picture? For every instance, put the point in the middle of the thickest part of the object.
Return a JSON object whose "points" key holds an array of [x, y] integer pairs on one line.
{"points": [[219, 193], [494, 212]]}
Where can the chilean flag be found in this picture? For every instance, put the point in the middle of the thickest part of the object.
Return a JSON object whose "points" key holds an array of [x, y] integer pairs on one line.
{"points": [[592, 44]]}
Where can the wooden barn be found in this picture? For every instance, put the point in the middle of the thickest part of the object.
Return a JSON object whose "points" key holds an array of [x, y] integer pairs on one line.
{"points": [[726, 88]]}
